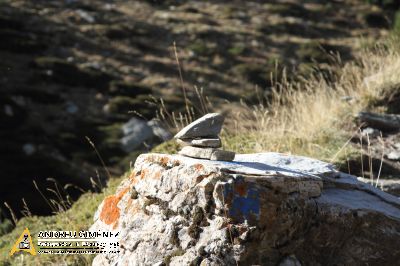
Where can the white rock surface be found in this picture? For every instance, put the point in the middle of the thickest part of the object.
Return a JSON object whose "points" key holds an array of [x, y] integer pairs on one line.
{"points": [[391, 186], [394, 155]]}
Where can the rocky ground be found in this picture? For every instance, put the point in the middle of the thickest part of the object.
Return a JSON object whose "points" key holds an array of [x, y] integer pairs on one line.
{"points": [[71, 69], [377, 146]]}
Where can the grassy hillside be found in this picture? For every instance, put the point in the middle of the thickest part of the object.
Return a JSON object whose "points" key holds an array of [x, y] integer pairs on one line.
{"points": [[72, 69], [314, 117], [283, 86]]}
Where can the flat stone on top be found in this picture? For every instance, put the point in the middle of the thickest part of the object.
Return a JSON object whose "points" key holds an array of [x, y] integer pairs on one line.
{"points": [[206, 126], [207, 153], [209, 142]]}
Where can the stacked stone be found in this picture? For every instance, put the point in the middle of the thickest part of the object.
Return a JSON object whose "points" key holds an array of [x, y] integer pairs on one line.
{"points": [[200, 139]]}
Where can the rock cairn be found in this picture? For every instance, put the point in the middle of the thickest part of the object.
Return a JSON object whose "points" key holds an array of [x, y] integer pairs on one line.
{"points": [[200, 139]]}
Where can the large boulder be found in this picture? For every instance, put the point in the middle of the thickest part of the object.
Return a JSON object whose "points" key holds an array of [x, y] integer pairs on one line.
{"points": [[263, 209]]}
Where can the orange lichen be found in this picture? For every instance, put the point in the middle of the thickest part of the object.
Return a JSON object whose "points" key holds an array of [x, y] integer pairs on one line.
{"points": [[149, 159], [157, 175], [129, 203], [161, 160], [143, 173], [110, 212], [133, 179], [164, 161], [132, 175], [198, 167]]}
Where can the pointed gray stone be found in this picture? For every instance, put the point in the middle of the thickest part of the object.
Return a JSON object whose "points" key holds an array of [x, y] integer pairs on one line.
{"points": [[209, 143], [207, 126], [207, 153]]}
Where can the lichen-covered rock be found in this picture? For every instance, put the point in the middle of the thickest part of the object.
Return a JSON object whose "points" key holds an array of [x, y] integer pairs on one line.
{"points": [[264, 209]]}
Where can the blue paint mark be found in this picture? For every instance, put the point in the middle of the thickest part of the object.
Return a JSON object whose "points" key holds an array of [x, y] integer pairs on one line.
{"points": [[245, 206]]}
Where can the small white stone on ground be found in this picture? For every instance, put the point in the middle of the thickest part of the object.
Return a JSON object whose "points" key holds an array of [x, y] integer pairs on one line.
{"points": [[370, 132], [394, 156]]}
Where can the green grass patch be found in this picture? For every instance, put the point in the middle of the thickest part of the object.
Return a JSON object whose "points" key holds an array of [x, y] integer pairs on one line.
{"points": [[168, 147], [237, 49]]}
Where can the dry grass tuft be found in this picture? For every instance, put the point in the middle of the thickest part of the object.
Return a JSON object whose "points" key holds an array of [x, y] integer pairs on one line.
{"points": [[315, 117]]}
